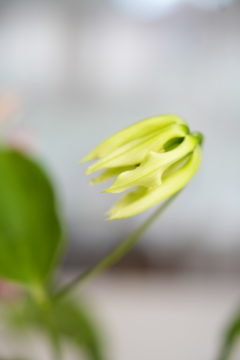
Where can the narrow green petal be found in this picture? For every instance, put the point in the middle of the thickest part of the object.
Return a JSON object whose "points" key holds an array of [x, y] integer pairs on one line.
{"points": [[139, 129], [143, 198], [109, 173], [149, 173], [135, 151], [143, 175], [120, 209]]}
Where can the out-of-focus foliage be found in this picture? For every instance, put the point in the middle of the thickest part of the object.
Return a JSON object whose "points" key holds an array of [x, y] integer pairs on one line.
{"points": [[72, 321], [231, 338], [30, 240], [12, 359], [30, 231]]}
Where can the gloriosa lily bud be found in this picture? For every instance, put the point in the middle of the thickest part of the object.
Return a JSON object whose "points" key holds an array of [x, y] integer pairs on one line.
{"points": [[156, 156]]}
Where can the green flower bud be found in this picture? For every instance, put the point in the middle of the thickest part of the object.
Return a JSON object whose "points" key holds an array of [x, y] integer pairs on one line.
{"points": [[157, 157]]}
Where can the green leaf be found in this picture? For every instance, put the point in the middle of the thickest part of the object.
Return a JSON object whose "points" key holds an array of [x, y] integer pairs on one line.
{"points": [[12, 358], [30, 231], [231, 338], [71, 321], [75, 324]]}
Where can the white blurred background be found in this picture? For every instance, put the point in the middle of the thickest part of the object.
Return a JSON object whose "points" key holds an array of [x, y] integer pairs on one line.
{"points": [[83, 69]]}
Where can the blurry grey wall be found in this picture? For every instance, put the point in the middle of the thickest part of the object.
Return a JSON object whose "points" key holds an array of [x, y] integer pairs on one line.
{"points": [[84, 69]]}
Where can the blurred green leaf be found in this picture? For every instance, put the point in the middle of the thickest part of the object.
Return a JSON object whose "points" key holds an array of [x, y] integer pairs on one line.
{"points": [[231, 338], [12, 359], [18, 358], [30, 231], [72, 321], [75, 324]]}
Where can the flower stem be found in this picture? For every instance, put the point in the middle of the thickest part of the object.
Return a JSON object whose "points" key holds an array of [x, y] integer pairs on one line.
{"points": [[56, 346], [117, 253]]}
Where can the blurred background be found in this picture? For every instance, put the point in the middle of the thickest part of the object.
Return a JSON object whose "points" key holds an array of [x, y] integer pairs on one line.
{"points": [[75, 71]]}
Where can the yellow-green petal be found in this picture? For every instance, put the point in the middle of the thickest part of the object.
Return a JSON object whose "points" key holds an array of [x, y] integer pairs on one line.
{"points": [[109, 173], [149, 173], [143, 198], [139, 129], [156, 157], [136, 150]]}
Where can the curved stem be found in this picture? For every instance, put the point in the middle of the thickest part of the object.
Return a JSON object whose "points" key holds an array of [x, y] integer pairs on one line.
{"points": [[117, 253]]}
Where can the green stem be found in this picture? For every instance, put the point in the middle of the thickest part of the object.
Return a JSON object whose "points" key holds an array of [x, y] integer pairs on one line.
{"points": [[117, 253], [45, 304], [56, 346]]}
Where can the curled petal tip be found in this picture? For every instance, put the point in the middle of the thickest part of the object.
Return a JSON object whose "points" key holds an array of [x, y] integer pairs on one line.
{"points": [[87, 158], [199, 136], [108, 216], [111, 190], [111, 216], [89, 171]]}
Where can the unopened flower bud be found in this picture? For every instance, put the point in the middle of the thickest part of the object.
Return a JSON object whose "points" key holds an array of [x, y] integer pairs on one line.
{"points": [[156, 157]]}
